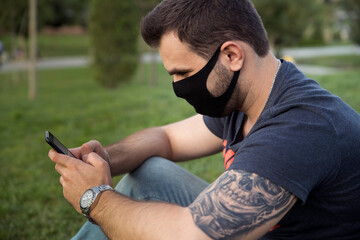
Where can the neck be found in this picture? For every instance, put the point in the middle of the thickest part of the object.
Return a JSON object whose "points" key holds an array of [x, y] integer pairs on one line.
{"points": [[256, 85]]}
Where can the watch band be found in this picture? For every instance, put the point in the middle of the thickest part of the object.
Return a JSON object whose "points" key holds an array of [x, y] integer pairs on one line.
{"points": [[97, 190]]}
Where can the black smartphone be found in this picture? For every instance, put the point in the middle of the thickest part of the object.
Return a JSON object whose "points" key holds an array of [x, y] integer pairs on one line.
{"points": [[57, 145]]}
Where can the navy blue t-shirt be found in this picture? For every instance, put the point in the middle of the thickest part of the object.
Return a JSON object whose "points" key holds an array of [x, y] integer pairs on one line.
{"points": [[307, 141]]}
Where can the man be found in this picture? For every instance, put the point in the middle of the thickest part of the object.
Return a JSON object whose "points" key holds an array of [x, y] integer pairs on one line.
{"points": [[291, 149]]}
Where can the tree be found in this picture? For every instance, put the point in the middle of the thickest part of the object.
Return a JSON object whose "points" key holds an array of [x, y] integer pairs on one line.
{"points": [[145, 6], [286, 21], [13, 15], [63, 12], [114, 32], [353, 9], [32, 47]]}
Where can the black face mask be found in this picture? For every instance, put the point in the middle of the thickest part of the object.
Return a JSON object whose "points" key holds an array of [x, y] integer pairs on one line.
{"points": [[193, 89]]}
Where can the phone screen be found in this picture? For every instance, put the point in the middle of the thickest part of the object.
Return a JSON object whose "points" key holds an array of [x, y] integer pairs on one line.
{"points": [[56, 144]]}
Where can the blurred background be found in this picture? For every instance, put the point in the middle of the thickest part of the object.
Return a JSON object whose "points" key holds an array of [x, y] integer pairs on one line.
{"points": [[81, 70]]}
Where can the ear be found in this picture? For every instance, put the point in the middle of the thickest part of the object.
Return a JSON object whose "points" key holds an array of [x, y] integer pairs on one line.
{"points": [[234, 55]]}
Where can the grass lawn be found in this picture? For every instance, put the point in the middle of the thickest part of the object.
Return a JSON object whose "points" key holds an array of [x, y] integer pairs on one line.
{"points": [[56, 45], [346, 62], [75, 109], [63, 45]]}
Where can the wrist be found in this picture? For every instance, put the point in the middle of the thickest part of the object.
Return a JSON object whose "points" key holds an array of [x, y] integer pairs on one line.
{"points": [[90, 198], [97, 212]]}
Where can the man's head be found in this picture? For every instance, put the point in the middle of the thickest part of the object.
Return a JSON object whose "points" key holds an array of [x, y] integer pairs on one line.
{"points": [[205, 24]]}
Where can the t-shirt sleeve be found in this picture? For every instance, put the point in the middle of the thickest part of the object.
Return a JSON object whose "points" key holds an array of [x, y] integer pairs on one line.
{"points": [[215, 125], [294, 150]]}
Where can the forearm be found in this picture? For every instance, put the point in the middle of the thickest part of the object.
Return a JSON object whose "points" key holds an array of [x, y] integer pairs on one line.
{"points": [[181, 141], [131, 152], [123, 218]]}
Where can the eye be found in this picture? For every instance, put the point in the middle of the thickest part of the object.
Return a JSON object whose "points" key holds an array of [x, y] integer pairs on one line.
{"points": [[271, 188], [246, 184]]}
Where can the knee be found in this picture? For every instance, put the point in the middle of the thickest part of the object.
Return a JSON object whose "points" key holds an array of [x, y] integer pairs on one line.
{"points": [[150, 173], [152, 168]]}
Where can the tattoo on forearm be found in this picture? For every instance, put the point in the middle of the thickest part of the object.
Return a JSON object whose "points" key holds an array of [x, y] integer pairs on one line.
{"points": [[238, 202]]}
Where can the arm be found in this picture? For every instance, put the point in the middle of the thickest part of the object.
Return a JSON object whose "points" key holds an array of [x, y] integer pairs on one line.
{"points": [[238, 205], [174, 141], [123, 218]]}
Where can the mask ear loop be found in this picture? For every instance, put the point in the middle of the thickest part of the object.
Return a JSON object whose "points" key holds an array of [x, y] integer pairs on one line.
{"points": [[214, 59], [234, 79], [185, 85]]}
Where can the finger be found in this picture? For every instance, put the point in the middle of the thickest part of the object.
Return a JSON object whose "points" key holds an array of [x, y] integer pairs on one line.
{"points": [[61, 180], [59, 168], [95, 160], [61, 159], [89, 147], [101, 166], [76, 151], [53, 155], [86, 148], [96, 145]]}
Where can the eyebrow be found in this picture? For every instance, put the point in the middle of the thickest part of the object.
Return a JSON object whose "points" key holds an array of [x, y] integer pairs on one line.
{"points": [[179, 71]]}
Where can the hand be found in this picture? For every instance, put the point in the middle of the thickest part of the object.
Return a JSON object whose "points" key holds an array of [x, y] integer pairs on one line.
{"points": [[89, 147], [78, 176]]}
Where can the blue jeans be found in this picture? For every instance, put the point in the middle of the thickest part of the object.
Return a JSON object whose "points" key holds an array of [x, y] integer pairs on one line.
{"points": [[157, 179]]}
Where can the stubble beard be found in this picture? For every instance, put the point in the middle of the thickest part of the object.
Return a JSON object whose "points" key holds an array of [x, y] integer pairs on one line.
{"points": [[222, 81]]}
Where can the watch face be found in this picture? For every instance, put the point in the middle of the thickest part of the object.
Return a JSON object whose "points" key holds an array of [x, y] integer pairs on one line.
{"points": [[86, 199]]}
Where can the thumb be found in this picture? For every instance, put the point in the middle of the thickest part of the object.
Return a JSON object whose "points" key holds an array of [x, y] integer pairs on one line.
{"points": [[102, 167], [94, 159]]}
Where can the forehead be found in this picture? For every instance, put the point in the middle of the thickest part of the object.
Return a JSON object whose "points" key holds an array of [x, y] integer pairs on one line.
{"points": [[177, 54]]}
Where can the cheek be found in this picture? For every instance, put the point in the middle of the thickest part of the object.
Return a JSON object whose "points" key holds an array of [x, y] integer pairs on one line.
{"points": [[218, 82], [212, 82]]}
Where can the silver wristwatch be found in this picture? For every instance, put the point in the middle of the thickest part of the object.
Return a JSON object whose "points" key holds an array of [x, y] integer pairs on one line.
{"points": [[89, 197]]}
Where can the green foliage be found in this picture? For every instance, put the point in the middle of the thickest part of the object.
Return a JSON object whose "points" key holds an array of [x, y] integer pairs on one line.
{"points": [[65, 12], [353, 9], [144, 6], [14, 14], [286, 21], [345, 62], [114, 32]]}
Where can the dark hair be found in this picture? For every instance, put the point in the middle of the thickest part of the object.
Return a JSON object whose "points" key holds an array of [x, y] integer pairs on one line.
{"points": [[205, 24]]}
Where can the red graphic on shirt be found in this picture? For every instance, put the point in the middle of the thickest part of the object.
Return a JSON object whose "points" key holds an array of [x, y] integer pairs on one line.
{"points": [[228, 155], [275, 227]]}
